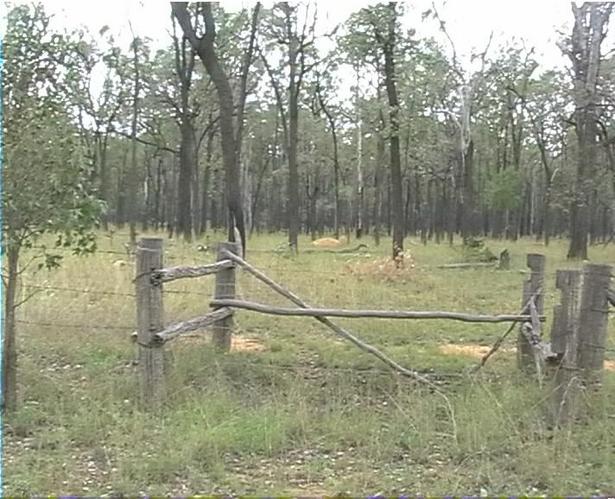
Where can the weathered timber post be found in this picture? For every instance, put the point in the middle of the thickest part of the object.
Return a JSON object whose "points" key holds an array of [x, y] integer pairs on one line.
{"points": [[225, 289], [149, 321], [593, 320], [564, 342], [534, 286]]}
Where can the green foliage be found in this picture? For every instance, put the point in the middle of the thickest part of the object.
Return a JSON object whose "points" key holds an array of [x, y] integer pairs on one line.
{"points": [[46, 180], [503, 191]]}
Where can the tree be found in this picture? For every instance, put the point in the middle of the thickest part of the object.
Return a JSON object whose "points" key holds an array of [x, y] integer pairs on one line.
{"points": [[583, 49], [298, 41], [383, 20], [42, 151], [205, 46]]}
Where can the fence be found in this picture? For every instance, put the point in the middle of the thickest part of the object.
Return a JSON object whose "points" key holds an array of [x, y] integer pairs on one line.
{"points": [[578, 333]]}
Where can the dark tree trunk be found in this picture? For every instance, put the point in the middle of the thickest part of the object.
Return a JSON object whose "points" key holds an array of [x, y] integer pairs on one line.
{"points": [[187, 162], [395, 153], [133, 177], [9, 346]]}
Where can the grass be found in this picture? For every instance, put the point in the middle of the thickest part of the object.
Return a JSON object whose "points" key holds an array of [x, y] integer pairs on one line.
{"points": [[308, 415]]}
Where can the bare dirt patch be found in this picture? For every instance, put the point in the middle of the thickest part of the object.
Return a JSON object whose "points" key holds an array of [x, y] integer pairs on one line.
{"points": [[245, 344], [477, 351], [238, 343]]}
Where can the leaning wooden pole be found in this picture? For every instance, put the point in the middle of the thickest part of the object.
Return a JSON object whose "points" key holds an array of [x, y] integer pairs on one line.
{"points": [[593, 321], [526, 359], [222, 331], [336, 329], [149, 322]]}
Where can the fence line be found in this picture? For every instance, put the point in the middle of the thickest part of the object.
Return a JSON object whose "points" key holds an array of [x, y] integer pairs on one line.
{"points": [[75, 326], [152, 334]]}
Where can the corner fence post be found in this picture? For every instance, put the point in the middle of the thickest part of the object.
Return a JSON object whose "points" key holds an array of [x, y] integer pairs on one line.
{"points": [[535, 283], [225, 289], [593, 322], [564, 343], [149, 321]]}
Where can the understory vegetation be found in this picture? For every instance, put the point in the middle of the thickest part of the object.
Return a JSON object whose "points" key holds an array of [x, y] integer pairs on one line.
{"points": [[292, 409]]}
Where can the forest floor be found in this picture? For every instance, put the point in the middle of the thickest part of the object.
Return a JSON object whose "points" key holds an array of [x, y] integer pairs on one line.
{"points": [[292, 409]]}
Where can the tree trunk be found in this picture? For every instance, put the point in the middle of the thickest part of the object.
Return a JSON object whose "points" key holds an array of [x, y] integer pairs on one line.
{"points": [[397, 206], [588, 33], [132, 184], [187, 159], [9, 347]]}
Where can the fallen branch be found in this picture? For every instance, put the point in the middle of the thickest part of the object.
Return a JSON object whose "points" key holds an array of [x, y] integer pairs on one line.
{"points": [[467, 265], [173, 273], [180, 328], [382, 314], [336, 329]]}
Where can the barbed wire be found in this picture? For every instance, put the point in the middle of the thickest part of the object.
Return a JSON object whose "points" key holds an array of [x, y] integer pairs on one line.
{"points": [[74, 326], [81, 291]]}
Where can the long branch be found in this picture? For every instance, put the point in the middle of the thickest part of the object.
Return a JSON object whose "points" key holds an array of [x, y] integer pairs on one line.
{"points": [[337, 329], [355, 314]]}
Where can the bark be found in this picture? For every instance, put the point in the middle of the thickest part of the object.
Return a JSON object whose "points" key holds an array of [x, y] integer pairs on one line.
{"points": [[336, 165], [396, 201], [205, 48], [9, 346], [588, 33], [132, 184], [206, 180]]}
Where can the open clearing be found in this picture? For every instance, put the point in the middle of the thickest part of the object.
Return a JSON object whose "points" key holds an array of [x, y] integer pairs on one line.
{"points": [[293, 409]]}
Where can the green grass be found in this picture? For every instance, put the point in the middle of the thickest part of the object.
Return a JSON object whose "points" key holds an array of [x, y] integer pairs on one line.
{"points": [[310, 414]]}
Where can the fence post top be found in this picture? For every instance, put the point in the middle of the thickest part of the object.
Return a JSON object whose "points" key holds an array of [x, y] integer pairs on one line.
{"points": [[535, 258], [150, 242], [536, 262], [230, 246], [567, 277], [598, 268]]}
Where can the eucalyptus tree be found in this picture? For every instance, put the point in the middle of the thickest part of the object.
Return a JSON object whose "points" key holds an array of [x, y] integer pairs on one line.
{"points": [[202, 37], [583, 48], [545, 105], [46, 177], [322, 100], [294, 38], [380, 27], [98, 110], [469, 83]]}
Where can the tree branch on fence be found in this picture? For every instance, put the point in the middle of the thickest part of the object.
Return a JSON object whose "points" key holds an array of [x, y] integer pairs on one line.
{"points": [[501, 339], [173, 273], [175, 330], [382, 314], [337, 329]]}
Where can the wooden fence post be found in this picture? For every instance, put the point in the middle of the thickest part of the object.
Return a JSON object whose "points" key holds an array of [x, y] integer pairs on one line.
{"points": [[149, 321], [225, 289], [564, 342], [593, 320], [534, 285]]}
